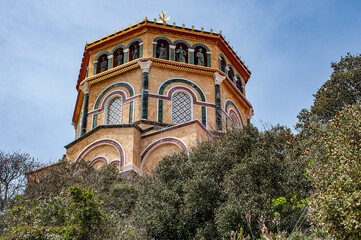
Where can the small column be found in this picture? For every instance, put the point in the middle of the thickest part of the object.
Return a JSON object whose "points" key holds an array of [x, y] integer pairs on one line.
{"points": [[154, 49], [140, 50], [220, 63], [209, 59], [190, 55], [126, 54], [172, 52], [144, 105], [227, 70], [95, 66], [85, 89], [218, 78], [110, 61]]}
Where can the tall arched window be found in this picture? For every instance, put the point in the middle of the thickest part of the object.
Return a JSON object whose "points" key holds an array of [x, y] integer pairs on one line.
{"points": [[102, 63], [181, 107], [222, 64], [239, 84], [231, 73], [114, 111]]}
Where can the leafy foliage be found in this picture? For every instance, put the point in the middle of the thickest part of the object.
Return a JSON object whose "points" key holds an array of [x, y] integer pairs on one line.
{"points": [[343, 89], [336, 205], [207, 195], [74, 214]]}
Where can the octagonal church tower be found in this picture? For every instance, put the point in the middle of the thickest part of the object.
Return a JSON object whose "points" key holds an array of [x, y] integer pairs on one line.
{"points": [[155, 89]]}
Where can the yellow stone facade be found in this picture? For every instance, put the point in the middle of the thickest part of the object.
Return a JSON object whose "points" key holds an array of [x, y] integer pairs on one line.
{"points": [[152, 105]]}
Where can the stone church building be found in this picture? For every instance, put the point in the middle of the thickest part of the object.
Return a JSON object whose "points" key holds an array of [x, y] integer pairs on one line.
{"points": [[155, 89]]}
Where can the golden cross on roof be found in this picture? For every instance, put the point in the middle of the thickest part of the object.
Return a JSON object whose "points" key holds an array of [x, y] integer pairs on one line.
{"points": [[163, 19]]}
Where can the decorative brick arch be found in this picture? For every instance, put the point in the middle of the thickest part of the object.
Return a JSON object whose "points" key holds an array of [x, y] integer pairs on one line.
{"points": [[105, 91], [200, 45], [110, 142], [231, 112], [135, 40], [162, 38], [229, 102], [182, 41], [157, 143], [100, 54], [117, 47], [185, 81], [99, 159], [115, 162]]}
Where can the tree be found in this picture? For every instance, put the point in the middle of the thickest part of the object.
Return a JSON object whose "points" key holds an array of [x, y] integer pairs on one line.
{"points": [[13, 169], [343, 89], [74, 214], [206, 195], [336, 204]]}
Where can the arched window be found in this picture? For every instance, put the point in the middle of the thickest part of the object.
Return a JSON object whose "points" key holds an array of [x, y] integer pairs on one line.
{"points": [[181, 107], [118, 57], [222, 64], [181, 53], [134, 51], [231, 74], [162, 49], [102, 63], [200, 56], [114, 111], [239, 84]]}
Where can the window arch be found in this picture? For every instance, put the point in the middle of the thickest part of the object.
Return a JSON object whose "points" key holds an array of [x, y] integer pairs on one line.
{"points": [[181, 52], [222, 63], [134, 50], [114, 111], [118, 56], [162, 49], [181, 107], [200, 56], [230, 73], [102, 63], [239, 84]]}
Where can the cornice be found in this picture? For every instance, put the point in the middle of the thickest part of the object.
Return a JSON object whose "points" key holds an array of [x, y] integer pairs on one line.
{"points": [[185, 67]]}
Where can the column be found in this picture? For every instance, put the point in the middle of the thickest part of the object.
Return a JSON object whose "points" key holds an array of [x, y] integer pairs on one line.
{"points": [[154, 49], [126, 54], [172, 52], [140, 50], [227, 70], [209, 59], [220, 63], [218, 78], [190, 55], [85, 89], [95, 66], [110, 61], [144, 105]]}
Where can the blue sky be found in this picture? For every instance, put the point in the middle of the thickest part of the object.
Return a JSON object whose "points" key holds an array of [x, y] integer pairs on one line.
{"points": [[288, 46]]}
